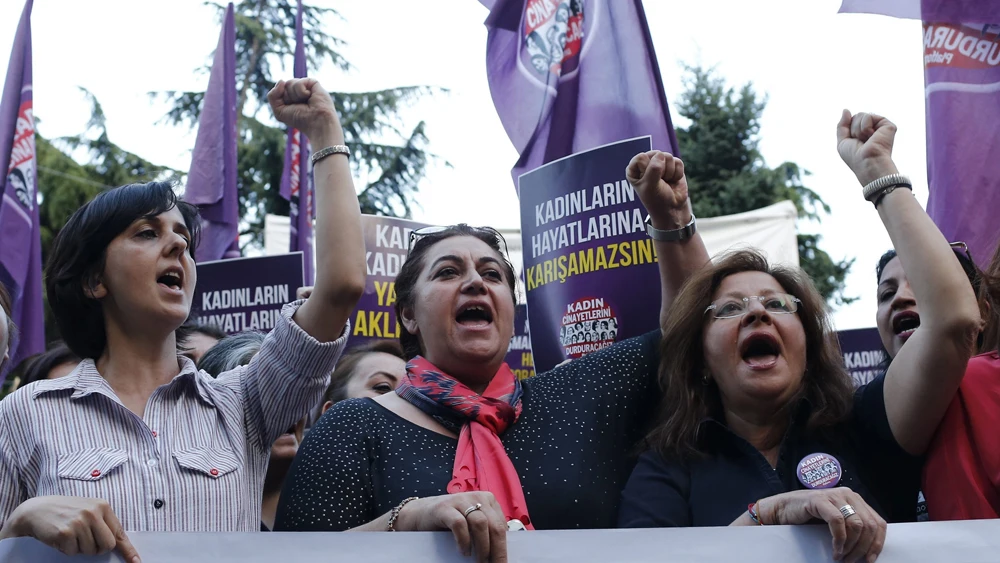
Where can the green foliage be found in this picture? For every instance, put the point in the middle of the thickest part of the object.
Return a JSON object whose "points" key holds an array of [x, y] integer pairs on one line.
{"points": [[727, 174], [389, 161]]}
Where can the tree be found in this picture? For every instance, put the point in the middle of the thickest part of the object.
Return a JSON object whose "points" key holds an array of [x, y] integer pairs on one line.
{"points": [[725, 169], [265, 36]]}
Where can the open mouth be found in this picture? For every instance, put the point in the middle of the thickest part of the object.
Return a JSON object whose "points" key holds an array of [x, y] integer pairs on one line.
{"points": [[172, 279], [760, 350], [474, 315], [903, 324]]}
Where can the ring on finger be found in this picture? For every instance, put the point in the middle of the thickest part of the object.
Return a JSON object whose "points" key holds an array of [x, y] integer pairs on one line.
{"points": [[471, 509], [848, 511]]}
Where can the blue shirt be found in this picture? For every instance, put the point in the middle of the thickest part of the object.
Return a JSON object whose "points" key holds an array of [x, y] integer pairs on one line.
{"points": [[716, 489]]}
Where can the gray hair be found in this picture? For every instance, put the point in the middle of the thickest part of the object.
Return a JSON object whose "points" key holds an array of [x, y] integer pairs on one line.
{"points": [[231, 352]]}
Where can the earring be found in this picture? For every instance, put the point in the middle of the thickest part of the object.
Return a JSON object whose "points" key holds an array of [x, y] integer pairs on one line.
{"points": [[705, 380]]}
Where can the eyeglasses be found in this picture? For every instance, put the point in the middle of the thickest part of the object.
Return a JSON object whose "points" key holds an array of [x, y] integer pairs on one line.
{"points": [[462, 228], [732, 307]]}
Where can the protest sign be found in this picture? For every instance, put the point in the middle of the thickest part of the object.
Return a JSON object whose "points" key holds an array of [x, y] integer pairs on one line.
{"points": [[386, 245], [519, 357], [590, 270], [246, 293], [863, 353]]}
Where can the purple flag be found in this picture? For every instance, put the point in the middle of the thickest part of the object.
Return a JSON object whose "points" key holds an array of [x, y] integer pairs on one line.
{"points": [[567, 76], [212, 178], [21, 251], [962, 100], [296, 180]]}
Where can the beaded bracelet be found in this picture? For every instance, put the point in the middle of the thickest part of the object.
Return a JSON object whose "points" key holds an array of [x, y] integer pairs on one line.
{"points": [[752, 510], [395, 514]]}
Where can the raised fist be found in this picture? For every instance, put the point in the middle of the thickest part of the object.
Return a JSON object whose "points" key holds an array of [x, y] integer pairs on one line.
{"points": [[864, 141], [658, 178], [303, 104]]}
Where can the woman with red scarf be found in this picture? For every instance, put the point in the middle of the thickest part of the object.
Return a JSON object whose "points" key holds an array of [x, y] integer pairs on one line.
{"points": [[462, 445]]}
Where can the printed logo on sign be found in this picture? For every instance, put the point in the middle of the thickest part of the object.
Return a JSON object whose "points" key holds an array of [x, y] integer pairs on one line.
{"points": [[589, 325], [962, 45], [553, 33], [21, 172]]}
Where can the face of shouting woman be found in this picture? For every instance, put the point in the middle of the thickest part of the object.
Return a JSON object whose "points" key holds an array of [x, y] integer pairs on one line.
{"points": [[149, 274], [463, 309], [759, 358]]}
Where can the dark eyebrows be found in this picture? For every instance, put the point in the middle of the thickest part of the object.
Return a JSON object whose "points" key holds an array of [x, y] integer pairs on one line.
{"points": [[384, 374], [456, 259]]}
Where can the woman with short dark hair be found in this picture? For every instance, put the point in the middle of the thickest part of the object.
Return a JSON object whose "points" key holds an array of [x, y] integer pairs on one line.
{"points": [[758, 423], [136, 438]]}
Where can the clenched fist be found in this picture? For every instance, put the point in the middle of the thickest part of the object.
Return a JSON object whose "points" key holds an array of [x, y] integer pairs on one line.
{"points": [[303, 104], [658, 178], [865, 141]]}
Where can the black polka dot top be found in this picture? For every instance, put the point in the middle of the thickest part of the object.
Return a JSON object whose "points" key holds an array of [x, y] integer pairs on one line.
{"points": [[574, 447]]}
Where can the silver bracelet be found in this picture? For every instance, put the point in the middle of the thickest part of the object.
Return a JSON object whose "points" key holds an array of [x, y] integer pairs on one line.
{"points": [[673, 235], [872, 191], [335, 149]]}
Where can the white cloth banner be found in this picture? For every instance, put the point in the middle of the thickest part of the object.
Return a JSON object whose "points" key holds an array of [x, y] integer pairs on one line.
{"points": [[969, 541]]}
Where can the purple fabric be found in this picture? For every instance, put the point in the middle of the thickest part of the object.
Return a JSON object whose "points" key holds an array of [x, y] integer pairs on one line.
{"points": [[954, 11], [21, 250], [962, 96], [296, 179], [212, 178], [573, 75]]}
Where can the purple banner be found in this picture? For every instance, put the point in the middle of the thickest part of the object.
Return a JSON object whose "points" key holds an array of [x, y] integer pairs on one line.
{"points": [[962, 85], [296, 179], [211, 183], [246, 293], [519, 353], [570, 75], [21, 251], [863, 353], [590, 270]]}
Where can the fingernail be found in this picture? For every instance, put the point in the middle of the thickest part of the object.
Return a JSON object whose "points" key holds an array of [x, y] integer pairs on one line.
{"points": [[136, 559]]}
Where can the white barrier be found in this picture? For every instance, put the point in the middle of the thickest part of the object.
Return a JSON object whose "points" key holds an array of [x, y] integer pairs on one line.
{"points": [[971, 541]]}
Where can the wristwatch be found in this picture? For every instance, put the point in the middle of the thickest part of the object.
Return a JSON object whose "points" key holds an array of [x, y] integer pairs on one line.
{"points": [[673, 235]]}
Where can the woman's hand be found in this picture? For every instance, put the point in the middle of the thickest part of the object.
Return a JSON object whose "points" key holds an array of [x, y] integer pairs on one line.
{"points": [[303, 104], [658, 178], [483, 530], [860, 536], [864, 141], [72, 525]]}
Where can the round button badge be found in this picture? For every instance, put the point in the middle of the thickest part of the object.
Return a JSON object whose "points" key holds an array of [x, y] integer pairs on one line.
{"points": [[819, 471]]}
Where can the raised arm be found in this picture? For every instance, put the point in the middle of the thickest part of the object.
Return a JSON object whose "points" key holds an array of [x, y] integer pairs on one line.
{"points": [[925, 374], [340, 247], [658, 178]]}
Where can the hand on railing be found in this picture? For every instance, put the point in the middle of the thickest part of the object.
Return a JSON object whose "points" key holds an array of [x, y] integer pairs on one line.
{"points": [[72, 525], [475, 519], [858, 531]]}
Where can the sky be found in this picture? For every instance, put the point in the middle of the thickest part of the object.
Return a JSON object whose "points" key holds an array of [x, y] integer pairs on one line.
{"points": [[810, 61]]}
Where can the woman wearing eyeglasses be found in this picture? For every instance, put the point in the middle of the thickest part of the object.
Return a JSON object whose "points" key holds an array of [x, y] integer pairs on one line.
{"points": [[462, 445], [760, 425]]}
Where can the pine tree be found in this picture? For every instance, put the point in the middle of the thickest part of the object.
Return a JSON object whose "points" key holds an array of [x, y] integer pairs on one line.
{"points": [[727, 174], [265, 35]]}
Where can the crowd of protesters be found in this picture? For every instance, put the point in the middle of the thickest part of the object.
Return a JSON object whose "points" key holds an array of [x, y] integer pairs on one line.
{"points": [[737, 412]]}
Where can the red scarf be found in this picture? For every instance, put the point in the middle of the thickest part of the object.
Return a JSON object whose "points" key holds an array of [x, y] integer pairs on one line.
{"points": [[481, 463]]}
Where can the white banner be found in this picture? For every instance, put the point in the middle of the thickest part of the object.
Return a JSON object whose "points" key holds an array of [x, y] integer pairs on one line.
{"points": [[969, 541]]}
